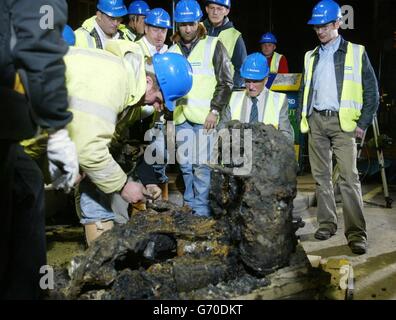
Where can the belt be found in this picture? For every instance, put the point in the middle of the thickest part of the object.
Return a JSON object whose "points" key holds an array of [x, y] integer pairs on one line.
{"points": [[327, 113]]}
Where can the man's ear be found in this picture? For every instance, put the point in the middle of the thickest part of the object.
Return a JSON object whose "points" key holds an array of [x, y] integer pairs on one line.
{"points": [[150, 83], [99, 15], [227, 12], [207, 9]]}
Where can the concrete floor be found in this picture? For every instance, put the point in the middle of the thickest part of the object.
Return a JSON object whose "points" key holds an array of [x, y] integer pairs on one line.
{"points": [[375, 272]]}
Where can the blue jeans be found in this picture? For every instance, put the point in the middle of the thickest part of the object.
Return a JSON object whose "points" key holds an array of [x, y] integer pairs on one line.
{"points": [[193, 151], [158, 141], [95, 205]]}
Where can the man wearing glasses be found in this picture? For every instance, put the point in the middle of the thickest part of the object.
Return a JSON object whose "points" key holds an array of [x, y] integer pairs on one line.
{"points": [[106, 25], [339, 98]]}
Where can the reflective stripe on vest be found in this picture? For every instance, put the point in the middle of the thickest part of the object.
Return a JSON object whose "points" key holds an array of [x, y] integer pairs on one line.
{"points": [[93, 108], [352, 88], [276, 57], [196, 105], [273, 105]]}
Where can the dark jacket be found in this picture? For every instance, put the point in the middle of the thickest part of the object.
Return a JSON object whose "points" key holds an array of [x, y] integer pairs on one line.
{"points": [[239, 54], [37, 51], [370, 84], [221, 63]]}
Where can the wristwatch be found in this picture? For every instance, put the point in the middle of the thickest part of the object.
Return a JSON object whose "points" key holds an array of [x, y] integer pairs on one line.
{"points": [[215, 112]]}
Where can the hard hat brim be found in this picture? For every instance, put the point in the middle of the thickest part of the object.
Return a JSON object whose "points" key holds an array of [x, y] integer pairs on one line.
{"points": [[170, 105]]}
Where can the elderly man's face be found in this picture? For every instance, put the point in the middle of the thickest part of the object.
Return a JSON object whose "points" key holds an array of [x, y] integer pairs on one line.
{"points": [[108, 24], [156, 36], [254, 87]]}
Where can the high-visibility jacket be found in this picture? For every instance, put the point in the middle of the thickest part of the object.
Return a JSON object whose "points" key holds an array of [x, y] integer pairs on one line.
{"points": [[276, 58], [229, 38], [272, 108], [145, 50], [352, 89], [88, 37], [195, 106], [101, 84]]}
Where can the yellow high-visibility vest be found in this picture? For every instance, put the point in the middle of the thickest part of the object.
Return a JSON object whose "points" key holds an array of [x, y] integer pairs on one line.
{"points": [[276, 58], [146, 50], [272, 108], [229, 38], [195, 106], [352, 88], [84, 39], [101, 84]]}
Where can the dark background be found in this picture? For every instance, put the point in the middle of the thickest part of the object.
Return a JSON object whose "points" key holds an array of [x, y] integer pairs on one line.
{"points": [[373, 23]]}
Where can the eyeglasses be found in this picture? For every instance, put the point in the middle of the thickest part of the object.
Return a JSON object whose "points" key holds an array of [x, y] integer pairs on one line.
{"points": [[325, 27]]}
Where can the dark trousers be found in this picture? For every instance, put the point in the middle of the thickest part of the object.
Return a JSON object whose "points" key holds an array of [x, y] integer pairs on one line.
{"points": [[22, 224]]}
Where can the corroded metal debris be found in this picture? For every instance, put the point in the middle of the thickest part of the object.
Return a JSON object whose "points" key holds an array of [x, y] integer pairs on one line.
{"points": [[168, 253]]}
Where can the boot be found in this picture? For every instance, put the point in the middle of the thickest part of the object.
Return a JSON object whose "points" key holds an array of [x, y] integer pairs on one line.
{"points": [[94, 230], [165, 191]]}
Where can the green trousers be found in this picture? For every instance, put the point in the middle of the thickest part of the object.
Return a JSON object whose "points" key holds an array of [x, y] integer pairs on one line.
{"points": [[325, 139]]}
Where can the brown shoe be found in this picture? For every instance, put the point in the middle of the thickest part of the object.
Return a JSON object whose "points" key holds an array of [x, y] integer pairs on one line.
{"points": [[323, 234], [358, 246]]}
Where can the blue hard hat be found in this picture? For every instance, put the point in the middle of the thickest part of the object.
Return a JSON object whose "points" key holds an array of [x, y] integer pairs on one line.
{"points": [[113, 8], [188, 11], [224, 3], [158, 17], [324, 12], [69, 36], [255, 67], [268, 38], [140, 8], [174, 75]]}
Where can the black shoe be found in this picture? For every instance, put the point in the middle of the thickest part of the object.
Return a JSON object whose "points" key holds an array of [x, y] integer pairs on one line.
{"points": [[323, 234], [358, 246]]}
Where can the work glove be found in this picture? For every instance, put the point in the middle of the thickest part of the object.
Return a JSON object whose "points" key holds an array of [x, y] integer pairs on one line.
{"points": [[63, 161]]}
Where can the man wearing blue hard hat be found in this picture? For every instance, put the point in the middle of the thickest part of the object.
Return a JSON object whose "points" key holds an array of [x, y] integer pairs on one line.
{"points": [[137, 12], [257, 103], [105, 25], [218, 25], [339, 99], [277, 62], [198, 112], [157, 24], [125, 79]]}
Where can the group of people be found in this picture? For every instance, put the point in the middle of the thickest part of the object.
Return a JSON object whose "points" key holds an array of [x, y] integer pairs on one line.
{"points": [[82, 95]]}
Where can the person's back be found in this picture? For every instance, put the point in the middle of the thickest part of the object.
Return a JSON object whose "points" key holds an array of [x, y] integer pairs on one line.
{"points": [[33, 94]]}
